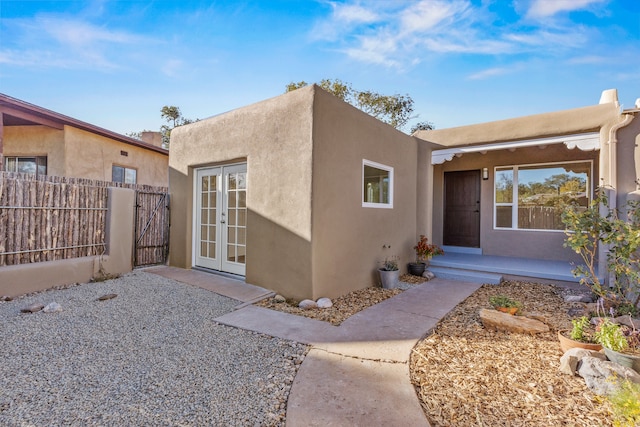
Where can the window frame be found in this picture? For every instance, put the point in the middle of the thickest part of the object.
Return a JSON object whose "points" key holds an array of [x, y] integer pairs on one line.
{"points": [[124, 174], [40, 161], [389, 170], [515, 192]]}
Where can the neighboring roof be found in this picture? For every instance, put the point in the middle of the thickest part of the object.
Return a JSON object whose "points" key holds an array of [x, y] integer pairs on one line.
{"points": [[16, 112]]}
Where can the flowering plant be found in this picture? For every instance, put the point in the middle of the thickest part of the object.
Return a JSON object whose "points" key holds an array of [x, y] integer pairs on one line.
{"points": [[425, 250]]}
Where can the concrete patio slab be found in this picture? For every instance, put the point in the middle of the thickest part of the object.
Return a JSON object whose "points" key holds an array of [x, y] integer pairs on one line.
{"points": [[278, 324], [222, 285], [334, 390]]}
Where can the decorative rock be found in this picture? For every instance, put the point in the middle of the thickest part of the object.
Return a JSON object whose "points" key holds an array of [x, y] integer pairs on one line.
{"points": [[603, 377], [628, 321], [307, 304], [493, 319], [33, 308], [578, 298], [279, 298], [577, 311], [324, 303], [52, 307], [107, 297], [570, 360], [428, 274], [5, 298]]}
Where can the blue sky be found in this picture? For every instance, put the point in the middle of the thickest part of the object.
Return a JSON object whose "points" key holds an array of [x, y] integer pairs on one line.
{"points": [[116, 63]]}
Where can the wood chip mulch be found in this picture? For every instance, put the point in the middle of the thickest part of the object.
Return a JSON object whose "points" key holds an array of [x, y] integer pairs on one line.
{"points": [[468, 376]]}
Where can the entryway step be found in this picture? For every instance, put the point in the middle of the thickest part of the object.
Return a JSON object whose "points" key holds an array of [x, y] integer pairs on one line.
{"points": [[466, 275]]}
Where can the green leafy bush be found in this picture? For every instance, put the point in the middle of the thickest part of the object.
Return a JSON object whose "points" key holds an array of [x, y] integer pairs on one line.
{"points": [[599, 224]]}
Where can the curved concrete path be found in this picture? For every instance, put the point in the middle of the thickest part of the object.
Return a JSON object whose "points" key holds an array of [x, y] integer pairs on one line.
{"points": [[355, 374]]}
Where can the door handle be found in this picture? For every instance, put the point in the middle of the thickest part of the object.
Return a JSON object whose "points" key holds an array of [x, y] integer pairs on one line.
{"points": [[222, 222]]}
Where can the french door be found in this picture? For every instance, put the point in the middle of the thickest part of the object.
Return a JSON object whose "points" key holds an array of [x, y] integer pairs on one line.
{"points": [[220, 226]]}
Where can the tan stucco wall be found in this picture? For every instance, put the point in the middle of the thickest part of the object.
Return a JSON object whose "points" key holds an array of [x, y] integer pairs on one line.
{"points": [[118, 258], [628, 153], [91, 156], [76, 153], [36, 141], [274, 136], [349, 240]]}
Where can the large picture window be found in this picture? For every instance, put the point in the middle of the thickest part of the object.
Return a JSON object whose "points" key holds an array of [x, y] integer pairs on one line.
{"points": [[34, 165], [533, 197], [377, 185]]}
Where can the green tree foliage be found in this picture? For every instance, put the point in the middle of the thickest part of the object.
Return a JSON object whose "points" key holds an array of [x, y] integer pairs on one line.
{"points": [[421, 126], [173, 116], [392, 109]]}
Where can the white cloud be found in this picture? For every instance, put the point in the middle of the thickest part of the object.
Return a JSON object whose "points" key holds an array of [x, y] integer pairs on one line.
{"points": [[51, 41], [353, 13], [490, 72], [427, 15], [546, 8], [401, 33]]}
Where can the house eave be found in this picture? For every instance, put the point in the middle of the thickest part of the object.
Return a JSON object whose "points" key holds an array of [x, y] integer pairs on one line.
{"points": [[584, 141]]}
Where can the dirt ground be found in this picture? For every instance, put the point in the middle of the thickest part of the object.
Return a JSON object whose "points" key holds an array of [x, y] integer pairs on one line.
{"points": [[468, 376]]}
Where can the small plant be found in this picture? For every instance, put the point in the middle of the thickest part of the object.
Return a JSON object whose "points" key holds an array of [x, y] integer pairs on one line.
{"points": [[390, 264], [580, 330], [626, 404], [425, 250], [503, 301], [611, 336]]}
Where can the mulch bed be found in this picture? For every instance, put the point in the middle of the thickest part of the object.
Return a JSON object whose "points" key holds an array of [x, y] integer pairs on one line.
{"points": [[468, 376]]}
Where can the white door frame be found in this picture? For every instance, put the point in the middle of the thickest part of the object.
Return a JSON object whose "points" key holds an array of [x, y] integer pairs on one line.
{"points": [[219, 228]]}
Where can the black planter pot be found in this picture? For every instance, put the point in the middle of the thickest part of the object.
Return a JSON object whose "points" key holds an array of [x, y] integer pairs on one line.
{"points": [[416, 268]]}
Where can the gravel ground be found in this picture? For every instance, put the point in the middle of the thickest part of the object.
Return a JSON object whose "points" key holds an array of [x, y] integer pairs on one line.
{"points": [[151, 356]]}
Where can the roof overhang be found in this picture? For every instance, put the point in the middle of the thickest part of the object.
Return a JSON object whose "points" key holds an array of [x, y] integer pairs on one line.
{"points": [[584, 141]]}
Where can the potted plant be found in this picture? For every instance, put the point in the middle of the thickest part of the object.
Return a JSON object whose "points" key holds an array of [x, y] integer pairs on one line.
{"points": [[389, 273], [621, 343], [505, 304], [424, 252], [580, 336]]}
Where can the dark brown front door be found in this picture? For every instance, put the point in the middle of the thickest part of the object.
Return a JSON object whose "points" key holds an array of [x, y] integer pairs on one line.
{"points": [[462, 209]]}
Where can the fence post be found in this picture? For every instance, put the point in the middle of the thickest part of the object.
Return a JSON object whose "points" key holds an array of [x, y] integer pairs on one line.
{"points": [[120, 232]]}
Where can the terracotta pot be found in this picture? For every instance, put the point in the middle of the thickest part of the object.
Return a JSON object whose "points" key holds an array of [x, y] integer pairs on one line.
{"points": [[568, 343], [628, 360], [508, 310]]}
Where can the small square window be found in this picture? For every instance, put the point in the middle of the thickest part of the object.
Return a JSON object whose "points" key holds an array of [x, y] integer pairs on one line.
{"points": [[122, 174], [377, 185]]}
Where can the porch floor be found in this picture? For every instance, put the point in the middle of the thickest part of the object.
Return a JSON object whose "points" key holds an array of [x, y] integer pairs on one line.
{"points": [[508, 267]]}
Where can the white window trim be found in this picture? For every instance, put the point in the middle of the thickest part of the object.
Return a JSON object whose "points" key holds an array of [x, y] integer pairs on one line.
{"points": [[382, 167], [514, 201]]}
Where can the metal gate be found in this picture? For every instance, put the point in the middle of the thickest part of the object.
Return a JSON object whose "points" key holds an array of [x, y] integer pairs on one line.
{"points": [[152, 228]]}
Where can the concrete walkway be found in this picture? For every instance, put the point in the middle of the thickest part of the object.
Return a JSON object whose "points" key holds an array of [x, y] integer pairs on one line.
{"points": [[355, 374]]}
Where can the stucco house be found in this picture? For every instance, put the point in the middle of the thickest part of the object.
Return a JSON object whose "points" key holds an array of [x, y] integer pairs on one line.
{"points": [[36, 140], [306, 195]]}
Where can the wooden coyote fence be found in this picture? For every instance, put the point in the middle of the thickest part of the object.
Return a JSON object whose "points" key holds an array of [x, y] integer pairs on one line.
{"points": [[52, 218]]}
